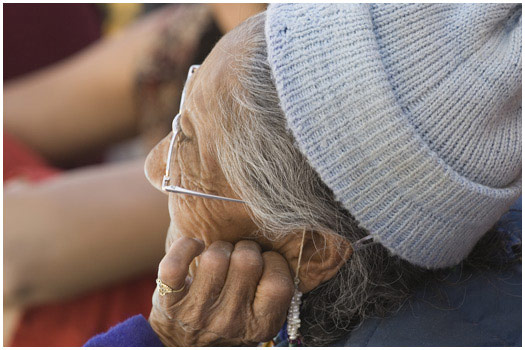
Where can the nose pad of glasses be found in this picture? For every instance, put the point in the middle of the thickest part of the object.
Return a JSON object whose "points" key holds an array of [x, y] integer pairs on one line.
{"points": [[193, 68], [175, 123]]}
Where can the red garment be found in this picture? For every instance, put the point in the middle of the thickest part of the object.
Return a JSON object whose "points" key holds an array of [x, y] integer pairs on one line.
{"points": [[22, 162], [72, 322]]}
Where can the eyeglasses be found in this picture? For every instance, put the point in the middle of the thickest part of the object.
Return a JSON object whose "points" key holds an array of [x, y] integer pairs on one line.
{"points": [[166, 180]]}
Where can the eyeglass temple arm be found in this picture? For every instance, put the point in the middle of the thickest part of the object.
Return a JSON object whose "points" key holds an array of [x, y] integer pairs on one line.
{"points": [[192, 70], [166, 179], [363, 243], [177, 189]]}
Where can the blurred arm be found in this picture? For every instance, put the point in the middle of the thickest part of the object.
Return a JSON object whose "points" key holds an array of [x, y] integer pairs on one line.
{"points": [[229, 16], [12, 316], [81, 230], [86, 102]]}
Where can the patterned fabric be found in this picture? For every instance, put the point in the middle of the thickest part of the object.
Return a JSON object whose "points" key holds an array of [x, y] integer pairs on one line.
{"points": [[410, 113]]}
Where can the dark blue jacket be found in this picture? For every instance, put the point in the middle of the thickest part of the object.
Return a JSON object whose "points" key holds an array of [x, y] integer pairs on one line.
{"points": [[468, 308]]}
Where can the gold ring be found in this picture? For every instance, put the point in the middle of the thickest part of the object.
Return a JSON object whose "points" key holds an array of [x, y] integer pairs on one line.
{"points": [[165, 289]]}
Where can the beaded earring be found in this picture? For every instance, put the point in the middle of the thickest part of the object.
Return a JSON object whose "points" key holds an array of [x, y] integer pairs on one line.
{"points": [[294, 322]]}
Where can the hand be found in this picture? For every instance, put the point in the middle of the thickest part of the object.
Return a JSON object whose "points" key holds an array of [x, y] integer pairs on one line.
{"points": [[238, 296]]}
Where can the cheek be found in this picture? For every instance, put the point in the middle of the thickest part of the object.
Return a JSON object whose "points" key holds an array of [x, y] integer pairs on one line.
{"points": [[210, 220], [190, 218], [199, 170], [184, 161]]}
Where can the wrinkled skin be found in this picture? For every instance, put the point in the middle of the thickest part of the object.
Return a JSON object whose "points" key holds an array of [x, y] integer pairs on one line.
{"points": [[240, 290], [238, 296]]}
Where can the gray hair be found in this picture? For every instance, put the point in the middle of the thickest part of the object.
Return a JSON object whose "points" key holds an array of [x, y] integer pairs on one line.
{"points": [[264, 166]]}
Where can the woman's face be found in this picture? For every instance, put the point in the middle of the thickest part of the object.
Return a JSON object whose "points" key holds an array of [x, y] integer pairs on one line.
{"points": [[194, 166], [194, 163]]}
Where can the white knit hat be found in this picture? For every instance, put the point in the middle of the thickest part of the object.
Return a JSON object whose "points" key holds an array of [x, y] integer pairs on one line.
{"points": [[410, 113]]}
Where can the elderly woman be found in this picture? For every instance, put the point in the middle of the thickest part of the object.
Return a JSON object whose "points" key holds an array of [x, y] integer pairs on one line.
{"points": [[335, 151]]}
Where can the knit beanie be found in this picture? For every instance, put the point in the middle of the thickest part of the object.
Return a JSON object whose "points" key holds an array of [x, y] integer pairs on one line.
{"points": [[410, 113]]}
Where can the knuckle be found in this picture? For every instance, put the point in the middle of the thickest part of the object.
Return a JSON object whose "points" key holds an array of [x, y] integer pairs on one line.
{"points": [[170, 268], [186, 243], [225, 327], [246, 244], [214, 259], [278, 289], [190, 316], [223, 246], [195, 244], [247, 260]]}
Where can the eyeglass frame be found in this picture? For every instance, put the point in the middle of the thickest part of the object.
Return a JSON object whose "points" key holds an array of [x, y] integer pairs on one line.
{"points": [[174, 126]]}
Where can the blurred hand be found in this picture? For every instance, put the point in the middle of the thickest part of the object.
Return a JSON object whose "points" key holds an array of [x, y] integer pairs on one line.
{"points": [[238, 296]]}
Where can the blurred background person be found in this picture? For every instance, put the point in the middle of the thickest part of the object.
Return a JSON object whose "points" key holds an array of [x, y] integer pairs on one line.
{"points": [[88, 90]]}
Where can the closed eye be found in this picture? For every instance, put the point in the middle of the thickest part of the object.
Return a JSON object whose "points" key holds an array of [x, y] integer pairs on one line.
{"points": [[181, 137]]}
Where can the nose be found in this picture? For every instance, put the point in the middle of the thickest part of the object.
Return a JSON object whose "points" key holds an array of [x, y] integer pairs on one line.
{"points": [[155, 165]]}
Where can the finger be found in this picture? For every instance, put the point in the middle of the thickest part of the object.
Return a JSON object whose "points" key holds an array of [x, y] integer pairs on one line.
{"points": [[273, 296], [245, 270], [173, 268], [211, 273]]}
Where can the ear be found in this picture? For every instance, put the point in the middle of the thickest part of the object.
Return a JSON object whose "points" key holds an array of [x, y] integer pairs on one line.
{"points": [[324, 253]]}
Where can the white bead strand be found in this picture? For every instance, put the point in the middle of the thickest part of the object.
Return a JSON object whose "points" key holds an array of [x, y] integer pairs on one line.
{"points": [[294, 322]]}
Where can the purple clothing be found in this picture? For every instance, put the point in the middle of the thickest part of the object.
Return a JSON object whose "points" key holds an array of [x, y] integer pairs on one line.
{"points": [[135, 331]]}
